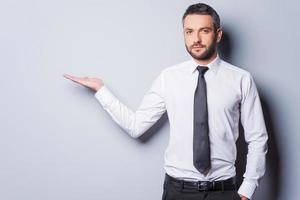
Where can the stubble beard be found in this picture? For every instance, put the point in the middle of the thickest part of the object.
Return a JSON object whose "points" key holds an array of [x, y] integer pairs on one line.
{"points": [[207, 54]]}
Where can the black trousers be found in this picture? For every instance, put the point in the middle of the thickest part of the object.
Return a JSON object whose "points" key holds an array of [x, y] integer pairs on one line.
{"points": [[173, 191]]}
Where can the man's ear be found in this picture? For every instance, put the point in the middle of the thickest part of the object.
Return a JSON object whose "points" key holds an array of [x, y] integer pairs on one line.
{"points": [[219, 34]]}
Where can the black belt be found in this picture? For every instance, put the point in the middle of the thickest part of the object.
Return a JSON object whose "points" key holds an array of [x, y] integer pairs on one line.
{"points": [[229, 184]]}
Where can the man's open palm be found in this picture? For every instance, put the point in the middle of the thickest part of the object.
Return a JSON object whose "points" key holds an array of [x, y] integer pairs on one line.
{"points": [[92, 83]]}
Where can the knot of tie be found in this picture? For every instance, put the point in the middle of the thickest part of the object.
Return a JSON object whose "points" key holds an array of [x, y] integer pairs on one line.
{"points": [[202, 69]]}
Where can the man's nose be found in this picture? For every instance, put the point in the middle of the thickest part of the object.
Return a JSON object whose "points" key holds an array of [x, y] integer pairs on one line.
{"points": [[197, 38]]}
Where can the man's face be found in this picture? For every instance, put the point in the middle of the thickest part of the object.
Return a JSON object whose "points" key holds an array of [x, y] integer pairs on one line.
{"points": [[200, 37]]}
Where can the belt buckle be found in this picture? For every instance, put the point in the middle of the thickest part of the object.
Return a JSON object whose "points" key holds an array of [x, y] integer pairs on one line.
{"points": [[203, 185]]}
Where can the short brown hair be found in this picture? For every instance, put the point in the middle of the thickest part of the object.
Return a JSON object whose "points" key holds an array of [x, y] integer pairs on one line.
{"points": [[203, 9]]}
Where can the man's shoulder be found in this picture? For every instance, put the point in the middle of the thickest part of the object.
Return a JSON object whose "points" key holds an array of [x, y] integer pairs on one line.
{"points": [[177, 67], [236, 70]]}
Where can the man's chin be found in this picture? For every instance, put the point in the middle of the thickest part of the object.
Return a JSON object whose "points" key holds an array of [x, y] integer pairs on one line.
{"points": [[202, 56], [199, 54]]}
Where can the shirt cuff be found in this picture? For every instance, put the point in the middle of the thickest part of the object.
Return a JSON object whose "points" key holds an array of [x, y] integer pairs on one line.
{"points": [[104, 96], [247, 189]]}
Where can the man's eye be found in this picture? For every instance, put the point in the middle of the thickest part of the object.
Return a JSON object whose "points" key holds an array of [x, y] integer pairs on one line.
{"points": [[188, 32], [205, 31]]}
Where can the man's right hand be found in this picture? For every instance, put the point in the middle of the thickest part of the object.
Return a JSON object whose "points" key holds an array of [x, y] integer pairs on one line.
{"points": [[92, 83]]}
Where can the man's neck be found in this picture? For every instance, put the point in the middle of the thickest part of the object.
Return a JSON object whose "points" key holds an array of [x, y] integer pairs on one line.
{"points": [[206, 61]]}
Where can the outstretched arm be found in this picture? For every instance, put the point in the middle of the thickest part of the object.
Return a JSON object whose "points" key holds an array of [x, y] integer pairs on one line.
{"points": [[135, 123]]}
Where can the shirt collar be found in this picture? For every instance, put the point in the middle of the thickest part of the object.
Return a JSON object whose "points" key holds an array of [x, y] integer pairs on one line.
{"points": [[213, 65]]}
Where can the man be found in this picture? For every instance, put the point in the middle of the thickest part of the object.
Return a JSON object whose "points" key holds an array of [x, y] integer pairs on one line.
{"points": [[205, 97]]}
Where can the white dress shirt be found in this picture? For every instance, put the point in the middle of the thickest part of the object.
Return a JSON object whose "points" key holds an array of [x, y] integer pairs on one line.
{"points": [[231, 95]]}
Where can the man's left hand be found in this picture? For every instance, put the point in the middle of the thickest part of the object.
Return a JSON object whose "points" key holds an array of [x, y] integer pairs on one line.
{"points": [[243, 198]]}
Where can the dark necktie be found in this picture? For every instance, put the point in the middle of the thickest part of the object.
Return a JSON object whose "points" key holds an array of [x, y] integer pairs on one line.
{"points": [[201, 147]]}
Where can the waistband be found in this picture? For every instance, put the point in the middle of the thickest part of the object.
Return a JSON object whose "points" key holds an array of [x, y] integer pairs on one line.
{"points": [[228, 184]]}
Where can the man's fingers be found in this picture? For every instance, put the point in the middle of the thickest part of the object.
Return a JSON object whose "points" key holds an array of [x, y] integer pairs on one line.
{"points": [[76, 79], [69, 77], [92, 83]]}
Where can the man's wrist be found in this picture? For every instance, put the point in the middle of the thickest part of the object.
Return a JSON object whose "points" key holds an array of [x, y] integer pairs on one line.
{"points": [[98, 87], [247, 189]]}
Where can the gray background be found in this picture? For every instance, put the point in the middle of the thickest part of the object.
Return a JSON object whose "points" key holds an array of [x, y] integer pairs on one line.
{"points": [[56, 141]]}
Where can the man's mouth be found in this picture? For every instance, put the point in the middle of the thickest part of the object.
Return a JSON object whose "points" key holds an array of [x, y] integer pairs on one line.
{"points": [[197, 47]]}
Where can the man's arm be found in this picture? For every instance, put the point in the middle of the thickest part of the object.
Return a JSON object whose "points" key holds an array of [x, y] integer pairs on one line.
{"points": [[135, 123], [256, 137]]}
